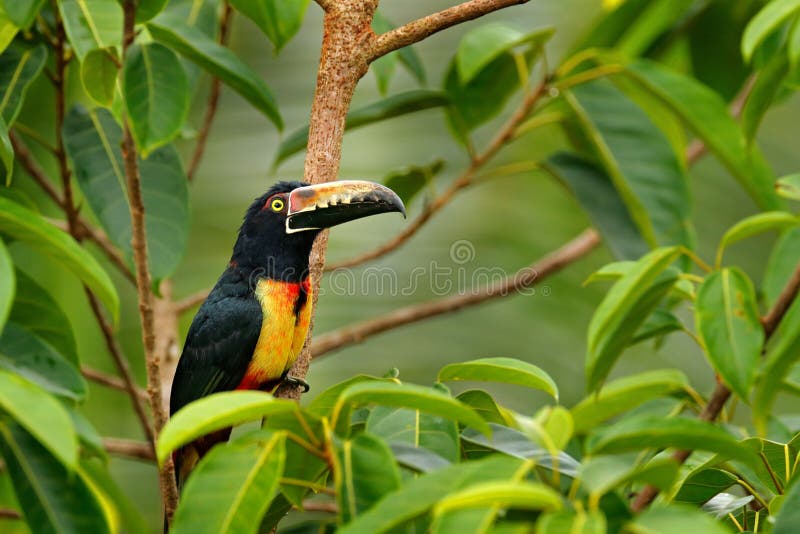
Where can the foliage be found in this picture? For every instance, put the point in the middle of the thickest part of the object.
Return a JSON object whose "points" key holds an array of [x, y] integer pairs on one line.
{"points": [[379, 454]]}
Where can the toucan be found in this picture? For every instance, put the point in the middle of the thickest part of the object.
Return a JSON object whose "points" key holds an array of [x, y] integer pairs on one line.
{"points": [[251, 327]]}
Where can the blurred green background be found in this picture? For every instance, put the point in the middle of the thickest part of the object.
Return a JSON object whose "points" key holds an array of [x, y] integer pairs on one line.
{"points": [[509, 222]]}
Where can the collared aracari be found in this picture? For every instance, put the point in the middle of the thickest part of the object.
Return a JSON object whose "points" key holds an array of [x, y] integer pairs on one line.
{"points": [[251, 328]]}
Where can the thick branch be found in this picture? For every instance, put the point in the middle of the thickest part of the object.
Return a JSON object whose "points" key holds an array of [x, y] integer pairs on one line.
{"points": [[139, 450], [421, 28], [722, 393], [523, 279], [143, 280], [504, 135], [213, 98]]}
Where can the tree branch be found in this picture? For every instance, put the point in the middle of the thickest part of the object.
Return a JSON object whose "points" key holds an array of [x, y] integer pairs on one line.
{"points": [[139, 450], [213, 97], [143, 280], [524, 278], [6, 513], [109, 381], [421, 28], [503, 136], [722, 393]]}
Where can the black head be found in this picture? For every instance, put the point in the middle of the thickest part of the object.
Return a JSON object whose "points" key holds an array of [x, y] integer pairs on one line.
{"points": [[280, 226]]}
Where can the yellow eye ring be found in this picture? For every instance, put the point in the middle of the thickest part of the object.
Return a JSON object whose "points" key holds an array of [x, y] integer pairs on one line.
{"points": [[277, 205]]}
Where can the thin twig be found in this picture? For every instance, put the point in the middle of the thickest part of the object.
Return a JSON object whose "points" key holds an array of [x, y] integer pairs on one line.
{"points": [[6, 513], [122, 366], [421, 28], [81, 228], [522, 279], [143, 280], [327, 507], [109, 381], [140, 450], [504, 135], [722, 393], [213, 98]]}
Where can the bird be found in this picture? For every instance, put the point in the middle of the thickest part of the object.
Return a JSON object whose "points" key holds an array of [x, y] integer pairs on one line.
{"points": [[252, 326]]}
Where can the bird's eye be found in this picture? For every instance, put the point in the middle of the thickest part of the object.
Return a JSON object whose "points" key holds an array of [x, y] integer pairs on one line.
{"points": [[277, 205]]}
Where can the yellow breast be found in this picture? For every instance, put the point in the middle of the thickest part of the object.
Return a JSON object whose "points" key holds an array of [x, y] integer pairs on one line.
{"points": [[286, 309]]}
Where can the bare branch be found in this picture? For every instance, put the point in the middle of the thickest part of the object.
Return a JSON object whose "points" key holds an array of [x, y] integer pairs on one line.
{"points": [[421, 28], [109, 381], [169, 490], [6, 513], [213, 98], [139, 450], [722, 393], [314, 506], [504, 135], [122, 366], [524, 278], [325, 4]]}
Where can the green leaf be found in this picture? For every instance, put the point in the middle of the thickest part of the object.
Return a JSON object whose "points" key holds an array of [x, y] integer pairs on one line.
{"points": [[788, 517], [479, 47], [36, 311], [754, 225], [278, 19], [602, 474], [780, 359], [524, 495], [388, 108], [652, 432], [8, 30], [417, 459], [232, 486], [89, 438], [515, 443], [702, 485], [727, 318], [597, 196], [399, 425], [409, 396], [789, 186], [706, 114], [765, 89], [483, 98], [22, 12], [409, 182], [8, 284], [156, 95], [214, 412], [29, 356], [624, 308], [99, 75], [217, 60], [782, 262], [19, 67], [93, 139], [592, 522], [657, 325], [32, 229], [484, 404], [91, 24], [41, 415], [655, 20], [419, 495], [53, 498], [503, 370], [129, 516], [765, 22], [626, 393], [148, 9], [675, 518], [6, 153], [364, 471], [655, 193], [324, 403]]}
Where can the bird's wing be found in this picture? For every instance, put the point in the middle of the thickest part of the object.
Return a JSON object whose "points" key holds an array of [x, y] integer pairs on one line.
{"points": [[218, 349]]}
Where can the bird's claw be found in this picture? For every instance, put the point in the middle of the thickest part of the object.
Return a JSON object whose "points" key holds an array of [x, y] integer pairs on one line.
{"points": [[299, 382]]}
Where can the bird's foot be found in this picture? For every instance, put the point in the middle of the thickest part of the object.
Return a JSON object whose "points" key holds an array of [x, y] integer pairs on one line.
{"points": [[294, 381]]}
